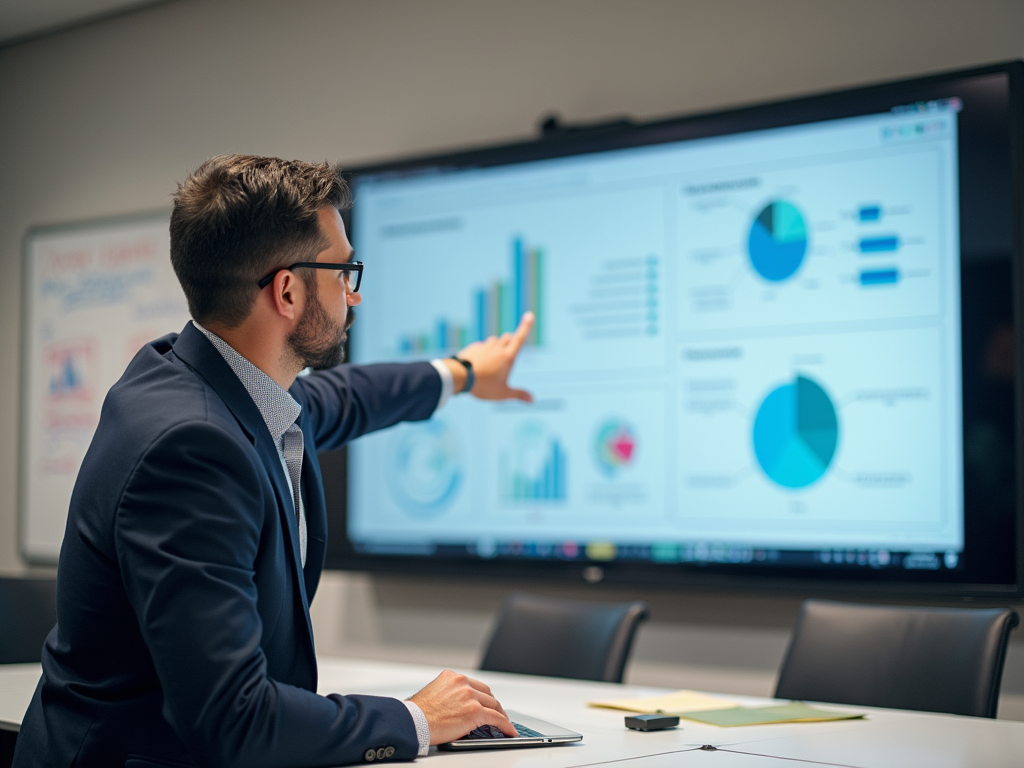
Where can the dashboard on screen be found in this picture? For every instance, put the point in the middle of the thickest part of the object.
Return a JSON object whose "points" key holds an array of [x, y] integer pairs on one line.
{"points": [[750, 351]]}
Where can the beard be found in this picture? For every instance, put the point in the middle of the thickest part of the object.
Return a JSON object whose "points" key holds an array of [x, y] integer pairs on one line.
{"points": [[318, 341]]}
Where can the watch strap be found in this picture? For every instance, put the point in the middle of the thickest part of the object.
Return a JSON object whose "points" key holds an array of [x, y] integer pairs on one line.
{"points": [[470, 376]]}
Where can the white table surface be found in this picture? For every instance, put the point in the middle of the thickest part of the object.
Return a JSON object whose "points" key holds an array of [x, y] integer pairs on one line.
{"points": [[886, 738], [17, 684]]}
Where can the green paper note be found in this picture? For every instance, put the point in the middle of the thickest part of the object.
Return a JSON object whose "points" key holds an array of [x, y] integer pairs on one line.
{"points": [[794, 712]]}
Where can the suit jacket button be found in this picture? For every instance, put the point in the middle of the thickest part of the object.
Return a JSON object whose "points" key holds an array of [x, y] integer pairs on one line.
{"points": [[370, 755], [389, 752], [380, 753]]}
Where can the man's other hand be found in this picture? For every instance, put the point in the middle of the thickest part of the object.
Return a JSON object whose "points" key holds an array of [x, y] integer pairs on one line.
{"points": [[492, 361], [455, 704]]}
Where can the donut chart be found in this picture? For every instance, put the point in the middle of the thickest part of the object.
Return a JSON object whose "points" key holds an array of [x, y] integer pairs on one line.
{"points": [[426, 467], [614, 447]]}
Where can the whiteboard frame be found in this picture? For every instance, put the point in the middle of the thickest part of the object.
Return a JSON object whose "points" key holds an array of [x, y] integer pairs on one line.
{"points": [[31, 234]]}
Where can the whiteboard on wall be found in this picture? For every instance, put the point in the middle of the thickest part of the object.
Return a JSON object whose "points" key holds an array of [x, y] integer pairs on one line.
{"points": [[94, 294]]}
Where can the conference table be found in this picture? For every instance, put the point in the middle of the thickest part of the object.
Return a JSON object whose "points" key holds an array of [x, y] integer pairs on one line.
{"points": [[883, 738]]}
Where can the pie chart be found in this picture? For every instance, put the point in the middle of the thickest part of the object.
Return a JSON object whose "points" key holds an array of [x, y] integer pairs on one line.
{"points": [[795, 433], [778, 241]]}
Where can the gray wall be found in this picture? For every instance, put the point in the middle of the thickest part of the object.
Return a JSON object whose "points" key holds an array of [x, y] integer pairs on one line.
{"points": [[103, 119]]}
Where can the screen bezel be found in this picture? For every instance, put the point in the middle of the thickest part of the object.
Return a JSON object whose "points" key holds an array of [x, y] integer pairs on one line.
{"points": [[747, 577]]}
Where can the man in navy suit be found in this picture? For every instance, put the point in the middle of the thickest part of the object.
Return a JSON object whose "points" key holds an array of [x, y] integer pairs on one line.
{"points": [[197, 528]]}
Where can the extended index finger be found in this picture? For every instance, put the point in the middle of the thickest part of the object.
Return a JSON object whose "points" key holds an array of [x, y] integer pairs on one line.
{"points": [[525, 326]]}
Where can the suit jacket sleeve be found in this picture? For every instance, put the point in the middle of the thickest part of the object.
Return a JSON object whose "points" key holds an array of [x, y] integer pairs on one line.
{"points": [[347, 401], [187, 535]]}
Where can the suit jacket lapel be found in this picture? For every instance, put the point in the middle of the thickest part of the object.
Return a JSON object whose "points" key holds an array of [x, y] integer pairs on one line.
{"points": [[315, 509], [197, 352]]}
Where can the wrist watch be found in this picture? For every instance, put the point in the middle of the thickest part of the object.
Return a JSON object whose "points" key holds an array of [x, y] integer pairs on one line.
{"points": [[470, 376]]}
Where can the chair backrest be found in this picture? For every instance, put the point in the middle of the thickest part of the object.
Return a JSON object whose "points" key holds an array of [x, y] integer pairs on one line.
{"points": [[537, 635], [927, 659], [28, 611]]}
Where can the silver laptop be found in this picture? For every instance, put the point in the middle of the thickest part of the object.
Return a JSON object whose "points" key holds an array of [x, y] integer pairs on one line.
{"points": [[532, 733]]}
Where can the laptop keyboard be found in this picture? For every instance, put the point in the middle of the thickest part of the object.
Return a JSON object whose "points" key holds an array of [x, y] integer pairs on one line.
{"points": [[490, 732]]}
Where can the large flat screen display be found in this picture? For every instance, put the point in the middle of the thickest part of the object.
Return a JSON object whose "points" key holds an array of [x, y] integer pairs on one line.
{"points": [[754, 353]]}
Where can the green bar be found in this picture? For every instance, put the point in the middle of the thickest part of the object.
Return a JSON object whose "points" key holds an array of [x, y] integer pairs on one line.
{"points": [[538, 286], [503, 307], [530, 285]]}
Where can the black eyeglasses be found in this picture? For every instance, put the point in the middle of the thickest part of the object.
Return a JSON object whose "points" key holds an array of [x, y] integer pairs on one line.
{"points": [[353, 272]]}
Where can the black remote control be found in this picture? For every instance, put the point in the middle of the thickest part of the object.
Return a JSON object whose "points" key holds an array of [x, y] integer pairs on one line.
{"points": [[651, 722]]}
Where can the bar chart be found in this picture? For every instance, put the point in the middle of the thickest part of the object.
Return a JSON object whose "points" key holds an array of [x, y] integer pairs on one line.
{"points": [[495, 308], [533, 468], [885, 245], [69, 365]]}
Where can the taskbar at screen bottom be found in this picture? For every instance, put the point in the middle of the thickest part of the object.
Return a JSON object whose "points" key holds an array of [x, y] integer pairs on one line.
{"points": [[691, 553]]}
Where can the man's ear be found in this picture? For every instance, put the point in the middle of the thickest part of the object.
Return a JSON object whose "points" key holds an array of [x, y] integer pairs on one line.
{"points": [[288, 293]]}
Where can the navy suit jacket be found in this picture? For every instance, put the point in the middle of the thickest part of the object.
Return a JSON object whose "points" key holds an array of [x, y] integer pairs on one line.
{"points": [[183, 634]]}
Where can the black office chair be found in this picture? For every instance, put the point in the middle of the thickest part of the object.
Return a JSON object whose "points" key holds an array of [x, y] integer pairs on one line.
{"points": [[928, 659], [28, 611], [537, 635]]}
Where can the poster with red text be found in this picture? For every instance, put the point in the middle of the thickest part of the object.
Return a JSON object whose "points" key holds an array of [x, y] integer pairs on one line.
{"points": [[95, 294]]}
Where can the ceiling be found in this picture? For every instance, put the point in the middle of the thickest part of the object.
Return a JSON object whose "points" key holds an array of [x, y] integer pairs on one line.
{"points": [[23, 19]]}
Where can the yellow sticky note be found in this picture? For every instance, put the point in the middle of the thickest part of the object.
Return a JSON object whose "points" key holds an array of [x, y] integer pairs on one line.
{"points": [[794, 712], [679, 701]]}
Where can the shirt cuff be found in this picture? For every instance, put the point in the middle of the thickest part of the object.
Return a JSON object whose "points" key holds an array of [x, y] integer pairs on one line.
{"points": [[422, 728], [447, 383]]}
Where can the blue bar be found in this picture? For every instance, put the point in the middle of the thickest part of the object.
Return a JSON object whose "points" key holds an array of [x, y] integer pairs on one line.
{"points": [[442, 334], [879, 244], [551, 478], [557, 470], [870, 213], [481, 314], [879, 277]]}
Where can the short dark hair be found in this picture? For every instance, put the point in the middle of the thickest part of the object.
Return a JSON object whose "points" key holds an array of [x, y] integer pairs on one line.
{"points": [[238, 217]]}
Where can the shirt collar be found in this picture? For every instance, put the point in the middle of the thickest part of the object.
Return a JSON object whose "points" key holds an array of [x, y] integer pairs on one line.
{"points": [[278, 409]]}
